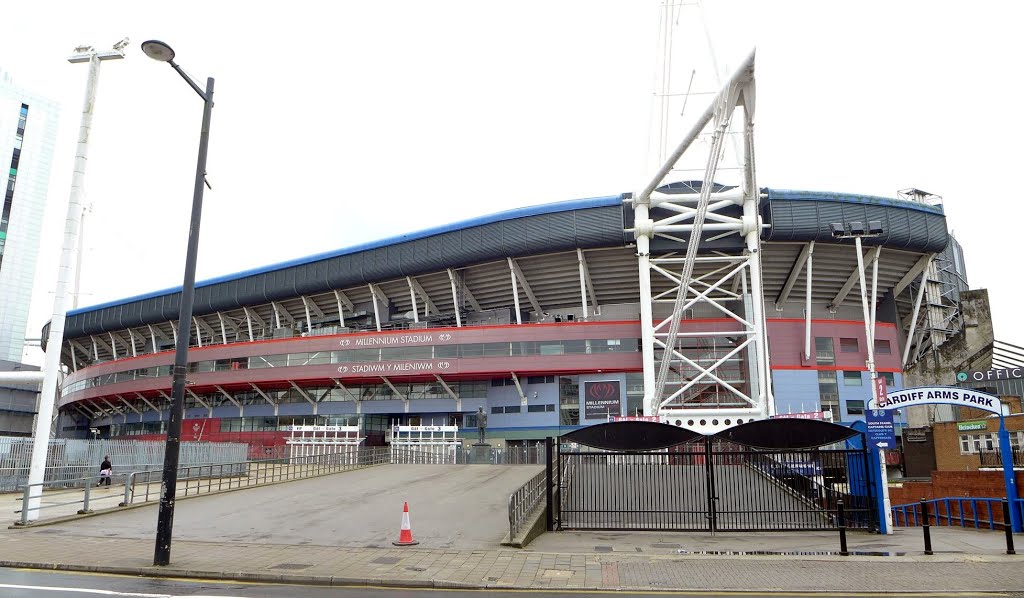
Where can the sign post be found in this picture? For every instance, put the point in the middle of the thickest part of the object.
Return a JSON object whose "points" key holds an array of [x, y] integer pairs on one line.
{"points": [[881, 436]]}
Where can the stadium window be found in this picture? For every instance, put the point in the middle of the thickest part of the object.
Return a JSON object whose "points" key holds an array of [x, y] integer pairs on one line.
{"points": [[824, 351], [851, 378], [848, 345], [828, 391], [540, 408], [855, 407], [882, 347], [890, 379], [965, 444]]}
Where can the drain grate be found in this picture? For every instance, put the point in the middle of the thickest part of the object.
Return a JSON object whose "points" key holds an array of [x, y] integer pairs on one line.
{"points": [[292, 566], [386, 560], [415, 568], [665, 545], [602, 549]]}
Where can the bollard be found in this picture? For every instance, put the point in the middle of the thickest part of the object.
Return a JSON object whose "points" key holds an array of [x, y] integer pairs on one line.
{"points": [[85, 500], [1007, 528], [841, 516], [926, 527], [24, 504]]}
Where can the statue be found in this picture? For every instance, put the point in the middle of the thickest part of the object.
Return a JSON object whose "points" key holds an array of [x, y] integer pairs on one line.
{"points": [[481, 425]]}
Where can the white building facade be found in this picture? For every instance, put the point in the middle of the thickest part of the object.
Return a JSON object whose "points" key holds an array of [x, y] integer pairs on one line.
{"points": [[28, 133]]}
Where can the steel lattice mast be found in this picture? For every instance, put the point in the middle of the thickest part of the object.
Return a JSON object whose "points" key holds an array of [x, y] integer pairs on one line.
{"points": [[691, 374]]}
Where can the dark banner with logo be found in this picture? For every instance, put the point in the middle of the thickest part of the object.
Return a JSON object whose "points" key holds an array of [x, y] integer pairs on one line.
{"points": [[602, 399]]}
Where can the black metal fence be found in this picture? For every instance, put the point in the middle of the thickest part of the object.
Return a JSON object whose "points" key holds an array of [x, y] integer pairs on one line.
{"points": [[711, 485], [995, 458]]}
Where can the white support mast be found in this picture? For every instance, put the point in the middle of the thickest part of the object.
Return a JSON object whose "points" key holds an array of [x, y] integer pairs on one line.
{"points": [[707, 375]]}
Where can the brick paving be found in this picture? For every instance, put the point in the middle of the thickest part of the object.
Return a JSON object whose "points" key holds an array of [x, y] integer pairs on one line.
{"points": [[61, 548], [966, 561]]}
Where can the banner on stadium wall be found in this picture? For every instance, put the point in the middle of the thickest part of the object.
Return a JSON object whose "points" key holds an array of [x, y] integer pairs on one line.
{"points": [[602, 399]]}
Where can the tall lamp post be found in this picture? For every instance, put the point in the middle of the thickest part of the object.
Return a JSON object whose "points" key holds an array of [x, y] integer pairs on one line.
{"points": [[857, 231], [161, 52]]}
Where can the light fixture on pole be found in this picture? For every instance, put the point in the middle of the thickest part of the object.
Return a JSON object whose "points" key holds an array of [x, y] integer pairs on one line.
{"points": [[857, 231], [161, 52]]}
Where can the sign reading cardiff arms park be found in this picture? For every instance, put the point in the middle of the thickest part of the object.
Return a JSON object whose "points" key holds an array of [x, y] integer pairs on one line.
{"points": [[932, 395]]}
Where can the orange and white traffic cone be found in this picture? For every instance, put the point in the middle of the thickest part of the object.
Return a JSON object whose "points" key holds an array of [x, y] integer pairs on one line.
{"points": [[405, 536]]}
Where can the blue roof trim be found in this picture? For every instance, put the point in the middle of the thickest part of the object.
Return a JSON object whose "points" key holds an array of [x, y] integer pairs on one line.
{"points": [[792, 194], [549, 208]]}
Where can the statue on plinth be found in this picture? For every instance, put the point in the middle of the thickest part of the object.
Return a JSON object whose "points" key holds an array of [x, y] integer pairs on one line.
{"points": [[481, 425]]}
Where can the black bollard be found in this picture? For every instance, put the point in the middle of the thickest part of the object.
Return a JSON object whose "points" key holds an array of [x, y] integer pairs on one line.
{"points": [[926, 527], [841, 516], [1007, 527]]}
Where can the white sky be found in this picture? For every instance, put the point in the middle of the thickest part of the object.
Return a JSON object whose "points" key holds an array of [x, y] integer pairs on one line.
{"points": [[343, 122]]}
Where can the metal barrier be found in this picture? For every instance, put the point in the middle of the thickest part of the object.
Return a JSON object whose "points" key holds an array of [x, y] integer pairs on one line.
{"points": [[72, 460], [144, 486], [523, 502], [951, 511]]}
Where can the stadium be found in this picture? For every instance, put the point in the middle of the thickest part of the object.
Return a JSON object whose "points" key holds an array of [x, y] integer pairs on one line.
{"points": [[550, 318], [520, 313]]}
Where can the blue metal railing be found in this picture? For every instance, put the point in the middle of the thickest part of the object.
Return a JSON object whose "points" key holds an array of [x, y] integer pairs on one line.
{"points": [[979, 513]]}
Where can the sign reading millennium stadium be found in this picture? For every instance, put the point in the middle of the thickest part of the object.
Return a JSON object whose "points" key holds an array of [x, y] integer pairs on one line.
{"points": [[931, 395]]}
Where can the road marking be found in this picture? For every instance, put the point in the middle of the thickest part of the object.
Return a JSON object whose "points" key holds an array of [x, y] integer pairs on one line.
{"points": [[103, 592]]}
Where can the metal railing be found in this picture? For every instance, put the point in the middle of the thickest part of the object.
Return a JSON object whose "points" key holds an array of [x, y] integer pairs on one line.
{"points": [[524, 502], [979, 513], [453, 454], [72, 460], [995, 458], [144, 486]]}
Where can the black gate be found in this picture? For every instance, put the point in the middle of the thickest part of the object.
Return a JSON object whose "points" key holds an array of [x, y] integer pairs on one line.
{"points": [[675, 479]]}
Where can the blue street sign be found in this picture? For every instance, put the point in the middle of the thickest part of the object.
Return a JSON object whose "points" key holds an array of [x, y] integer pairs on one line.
{"points": [[881, 431]]}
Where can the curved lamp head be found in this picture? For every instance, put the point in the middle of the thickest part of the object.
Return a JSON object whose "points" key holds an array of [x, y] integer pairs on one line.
{"points": [[158, 50]]}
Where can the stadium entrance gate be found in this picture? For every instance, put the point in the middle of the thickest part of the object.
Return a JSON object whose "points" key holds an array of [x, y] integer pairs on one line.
{"points": [[768, 475], [424, 444]]}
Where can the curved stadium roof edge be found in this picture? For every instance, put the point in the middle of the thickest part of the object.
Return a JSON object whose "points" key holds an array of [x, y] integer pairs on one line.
{"points": [[547, 208], [524, 212]]}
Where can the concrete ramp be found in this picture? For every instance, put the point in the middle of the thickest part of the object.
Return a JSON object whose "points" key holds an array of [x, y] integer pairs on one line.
{"points": [[451, 506]]}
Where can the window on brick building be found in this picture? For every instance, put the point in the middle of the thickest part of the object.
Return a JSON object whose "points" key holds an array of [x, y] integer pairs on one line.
{"points": [[848, 345]]}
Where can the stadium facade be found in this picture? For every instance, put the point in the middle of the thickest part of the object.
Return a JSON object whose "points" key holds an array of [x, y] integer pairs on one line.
{"points": [[537, 316]]}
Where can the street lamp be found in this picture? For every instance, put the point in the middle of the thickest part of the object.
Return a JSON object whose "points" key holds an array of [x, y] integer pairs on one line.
{"points": [[161, 52], [857, 231]]}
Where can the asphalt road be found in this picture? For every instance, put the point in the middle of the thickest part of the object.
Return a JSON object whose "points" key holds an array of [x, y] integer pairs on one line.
{"points": [[20, 583], [451, 506]]}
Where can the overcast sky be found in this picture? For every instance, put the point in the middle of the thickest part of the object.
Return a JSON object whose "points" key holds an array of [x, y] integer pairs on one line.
{"points": [[344, 122]]}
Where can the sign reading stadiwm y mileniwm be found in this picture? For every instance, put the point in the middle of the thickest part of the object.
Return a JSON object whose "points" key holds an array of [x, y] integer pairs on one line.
{"points": [[931, 395]]}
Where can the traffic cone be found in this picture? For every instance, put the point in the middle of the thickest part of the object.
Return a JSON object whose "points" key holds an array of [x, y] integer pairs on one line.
{"points": [[405, 536]]}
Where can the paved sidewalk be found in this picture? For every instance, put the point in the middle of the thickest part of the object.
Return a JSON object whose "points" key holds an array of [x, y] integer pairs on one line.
{"points": [[583, 561]]}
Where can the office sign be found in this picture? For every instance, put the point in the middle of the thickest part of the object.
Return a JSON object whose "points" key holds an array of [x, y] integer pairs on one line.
{"points": [[939, 395], [989, 375], [881, 429], [602, 399]]}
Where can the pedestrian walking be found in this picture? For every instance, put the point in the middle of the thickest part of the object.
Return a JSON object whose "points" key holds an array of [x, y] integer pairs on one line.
{"points": [[106, 471]]}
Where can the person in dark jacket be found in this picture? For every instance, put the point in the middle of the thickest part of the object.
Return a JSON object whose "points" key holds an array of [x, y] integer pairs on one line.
{"points": [[106, 471]]}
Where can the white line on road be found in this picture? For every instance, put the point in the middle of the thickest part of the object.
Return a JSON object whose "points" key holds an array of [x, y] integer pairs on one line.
{"points": [[102, 592]]}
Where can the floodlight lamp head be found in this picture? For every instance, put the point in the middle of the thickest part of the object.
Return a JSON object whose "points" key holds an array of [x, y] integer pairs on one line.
{"points": [[875, 227], [158, 50], [838, 229], [856, 228]]}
